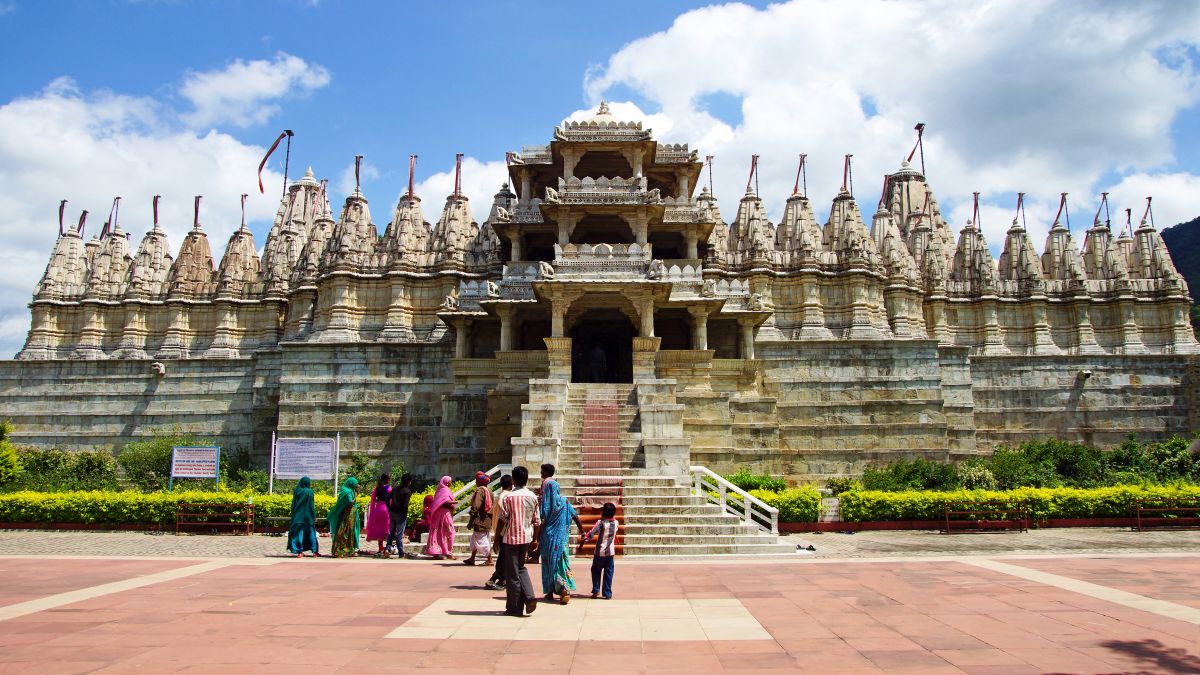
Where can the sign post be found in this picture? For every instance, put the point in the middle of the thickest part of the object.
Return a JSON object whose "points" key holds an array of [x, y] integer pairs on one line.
{"points": [[271, 468], [195, 462], [298, 457]]}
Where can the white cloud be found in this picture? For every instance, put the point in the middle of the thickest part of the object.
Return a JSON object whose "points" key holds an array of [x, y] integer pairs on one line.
{"points": [[367, 172], [240, 94], [1040, 97], [88, 147], [480, 183]]}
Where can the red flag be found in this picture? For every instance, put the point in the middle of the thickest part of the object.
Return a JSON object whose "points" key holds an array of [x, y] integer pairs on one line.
{"points": [[155, 204], [82, 222], [412, 168], [196, 217], [62, 206], [286, 132]]}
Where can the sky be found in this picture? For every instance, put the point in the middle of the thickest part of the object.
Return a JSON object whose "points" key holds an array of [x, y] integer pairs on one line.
{"points": [[105, 98]]}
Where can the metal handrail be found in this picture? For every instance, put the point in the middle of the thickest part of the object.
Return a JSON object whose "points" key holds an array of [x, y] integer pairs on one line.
{"points": [[750, 508], [492, 473]]}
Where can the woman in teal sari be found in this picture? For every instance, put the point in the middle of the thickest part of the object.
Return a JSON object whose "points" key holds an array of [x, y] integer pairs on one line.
{"points": [[557, 514], [343, 521], [302, 531]]}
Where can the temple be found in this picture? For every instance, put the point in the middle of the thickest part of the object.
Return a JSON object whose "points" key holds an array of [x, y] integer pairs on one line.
{"points": [[606, 282]]}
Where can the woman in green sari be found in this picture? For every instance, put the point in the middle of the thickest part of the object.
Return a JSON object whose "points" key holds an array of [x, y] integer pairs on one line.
{"points": [[302, 531], [343, 521]]}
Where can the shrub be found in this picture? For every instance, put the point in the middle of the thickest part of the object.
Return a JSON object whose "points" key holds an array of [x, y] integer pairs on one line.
{"points": [[914, 474], [54, 470], [975, 476], [147, 463], [363, 467], [752, 481], [796, 505], [839, 484], [10, 463], [1015, 468], [1042, 503]]}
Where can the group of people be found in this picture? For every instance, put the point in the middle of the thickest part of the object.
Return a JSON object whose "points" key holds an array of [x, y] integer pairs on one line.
{"points": [[515, 523]]}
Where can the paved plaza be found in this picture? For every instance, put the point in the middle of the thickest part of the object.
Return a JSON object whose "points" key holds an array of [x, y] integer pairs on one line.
{"points": [[120, 602]]}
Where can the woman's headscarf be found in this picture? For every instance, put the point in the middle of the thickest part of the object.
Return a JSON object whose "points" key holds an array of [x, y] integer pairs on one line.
{"points": [[481, 481], [555, 509], [481, 478], [303, 507], [443, 496], [345, 505]]}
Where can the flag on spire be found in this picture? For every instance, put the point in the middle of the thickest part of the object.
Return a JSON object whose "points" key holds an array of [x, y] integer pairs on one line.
{"points": [[286, 133], [62, 206]]}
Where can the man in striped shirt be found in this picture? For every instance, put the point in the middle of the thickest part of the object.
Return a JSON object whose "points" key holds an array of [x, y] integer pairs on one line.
{"points": [[518, 517]]}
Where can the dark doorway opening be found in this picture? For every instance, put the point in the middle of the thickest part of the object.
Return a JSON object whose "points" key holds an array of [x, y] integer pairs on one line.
{"points": [[602, 347]]}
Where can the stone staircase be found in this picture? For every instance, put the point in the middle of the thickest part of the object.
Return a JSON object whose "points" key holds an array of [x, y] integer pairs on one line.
{"points": [[601, 458]]}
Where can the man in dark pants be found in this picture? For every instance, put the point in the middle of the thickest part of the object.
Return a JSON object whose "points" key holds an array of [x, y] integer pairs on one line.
{"points": [[519, 515]]}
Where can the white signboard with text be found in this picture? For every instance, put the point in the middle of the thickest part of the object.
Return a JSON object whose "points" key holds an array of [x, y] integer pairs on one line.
{"points": [[312, 457], [195, 462]]}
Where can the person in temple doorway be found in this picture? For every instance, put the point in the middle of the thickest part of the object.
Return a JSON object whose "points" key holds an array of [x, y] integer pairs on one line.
{"points": [[598, 362]]}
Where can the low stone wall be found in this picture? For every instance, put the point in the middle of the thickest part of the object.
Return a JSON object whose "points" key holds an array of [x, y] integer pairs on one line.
{"points": [[1098, 400], [84, 405]]}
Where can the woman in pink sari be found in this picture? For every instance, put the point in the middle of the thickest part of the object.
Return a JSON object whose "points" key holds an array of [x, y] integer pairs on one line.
{"points": [[441, 522], [378, 522]]}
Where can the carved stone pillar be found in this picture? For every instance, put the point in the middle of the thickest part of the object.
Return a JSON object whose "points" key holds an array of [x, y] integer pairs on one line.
{"points": [[1085, 335], [644, 351], [1043, 342], [684, 187], [174, 344], [133, 335], [517, 241], [699, 327], [640, 225], [526, 186], [506, 313], [1131, 341], [570, 161], [993, 338], [92, 334], [462, 328], [644, 304], [691, 239], [558, 352], [747, 338], [812, 321], [566, 225], [397, 327]]}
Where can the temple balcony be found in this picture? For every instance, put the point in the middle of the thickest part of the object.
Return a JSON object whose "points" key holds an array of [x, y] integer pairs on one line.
{"points": [[675, 154], [532, 154], [603, 191]]}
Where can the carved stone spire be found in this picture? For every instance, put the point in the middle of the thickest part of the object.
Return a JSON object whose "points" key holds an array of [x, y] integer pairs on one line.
{"points": [[1151, 260], [294, 220], [893, 252], [151, 266], [718, 239], [1019, 261], [454, 232], [911, 200], [407, 237], [110, 266], [240, 269], [1101, 259], [352, 245], [798, 232], [751, 233], [846, 234], [1061, 260], [973, 265], [66, 271], [192, 273]]}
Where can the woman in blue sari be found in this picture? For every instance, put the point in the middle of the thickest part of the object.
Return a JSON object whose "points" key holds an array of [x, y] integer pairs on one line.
{"points": [[557, 514], [302, 530]]}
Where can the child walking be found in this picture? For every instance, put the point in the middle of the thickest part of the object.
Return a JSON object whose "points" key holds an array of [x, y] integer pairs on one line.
{"points": [[605, 531]]}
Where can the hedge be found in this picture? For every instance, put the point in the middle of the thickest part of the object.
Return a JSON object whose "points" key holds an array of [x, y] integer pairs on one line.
{"points": [[1042, 503], [137, 508], [796, 505]]}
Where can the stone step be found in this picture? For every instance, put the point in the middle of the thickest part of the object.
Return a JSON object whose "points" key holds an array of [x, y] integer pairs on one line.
{"points": [[780, 550]]}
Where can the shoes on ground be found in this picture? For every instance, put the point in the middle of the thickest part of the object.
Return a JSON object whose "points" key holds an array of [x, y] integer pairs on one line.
{"points": [[530, 605], [493, 586]]}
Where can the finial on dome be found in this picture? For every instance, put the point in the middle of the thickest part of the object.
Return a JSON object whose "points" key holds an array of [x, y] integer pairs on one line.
{"points": [[603, 109], [309, 173]]}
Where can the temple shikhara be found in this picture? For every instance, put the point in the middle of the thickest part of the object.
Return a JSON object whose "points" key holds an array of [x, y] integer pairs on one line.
{"points": [[606, 284]]}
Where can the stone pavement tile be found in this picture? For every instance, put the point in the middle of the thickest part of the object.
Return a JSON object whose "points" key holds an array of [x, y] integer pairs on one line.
{"points": [[1147, 655], [978, 657], [742, 661], [907, 661], [684, 663], [1063, 660], [891, 644], [611, 662], [949, 639]]}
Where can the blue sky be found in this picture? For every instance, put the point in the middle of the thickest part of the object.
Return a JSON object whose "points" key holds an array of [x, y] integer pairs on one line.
{"points": [[112, 97]]}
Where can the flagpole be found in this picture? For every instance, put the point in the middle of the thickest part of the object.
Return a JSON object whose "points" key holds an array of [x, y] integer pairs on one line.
{"points": [[287, 156]]}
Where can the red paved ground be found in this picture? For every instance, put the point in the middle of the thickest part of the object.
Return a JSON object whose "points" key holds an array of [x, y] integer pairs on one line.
{"points": [[324, 616], [1171, 579], [22, 580]]}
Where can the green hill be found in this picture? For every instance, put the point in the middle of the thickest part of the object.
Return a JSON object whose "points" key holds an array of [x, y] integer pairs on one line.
{"points": [[1183, 241]]}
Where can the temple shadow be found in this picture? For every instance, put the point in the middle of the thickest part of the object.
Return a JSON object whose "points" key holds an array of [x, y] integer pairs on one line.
{"points": [[475, 612], [1157, 656]]}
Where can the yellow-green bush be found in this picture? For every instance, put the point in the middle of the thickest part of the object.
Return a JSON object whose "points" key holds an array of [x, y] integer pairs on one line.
{"points": [[1042, 503]]}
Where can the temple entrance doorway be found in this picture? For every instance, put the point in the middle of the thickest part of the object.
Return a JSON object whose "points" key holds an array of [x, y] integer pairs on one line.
{"points": [[602, 347]]}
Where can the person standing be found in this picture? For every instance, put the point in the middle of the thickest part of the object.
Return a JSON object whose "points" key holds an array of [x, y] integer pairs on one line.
{"points": [[441, 523], [344, 525], [496, 581], [398, 514], [605, 531], [519, 515], [554, 545], [302, 530], [378, 520], [479, 520]]}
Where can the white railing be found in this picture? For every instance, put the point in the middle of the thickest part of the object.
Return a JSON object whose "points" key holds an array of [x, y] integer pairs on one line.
{"points": [[742, 504], [494, 473]]}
